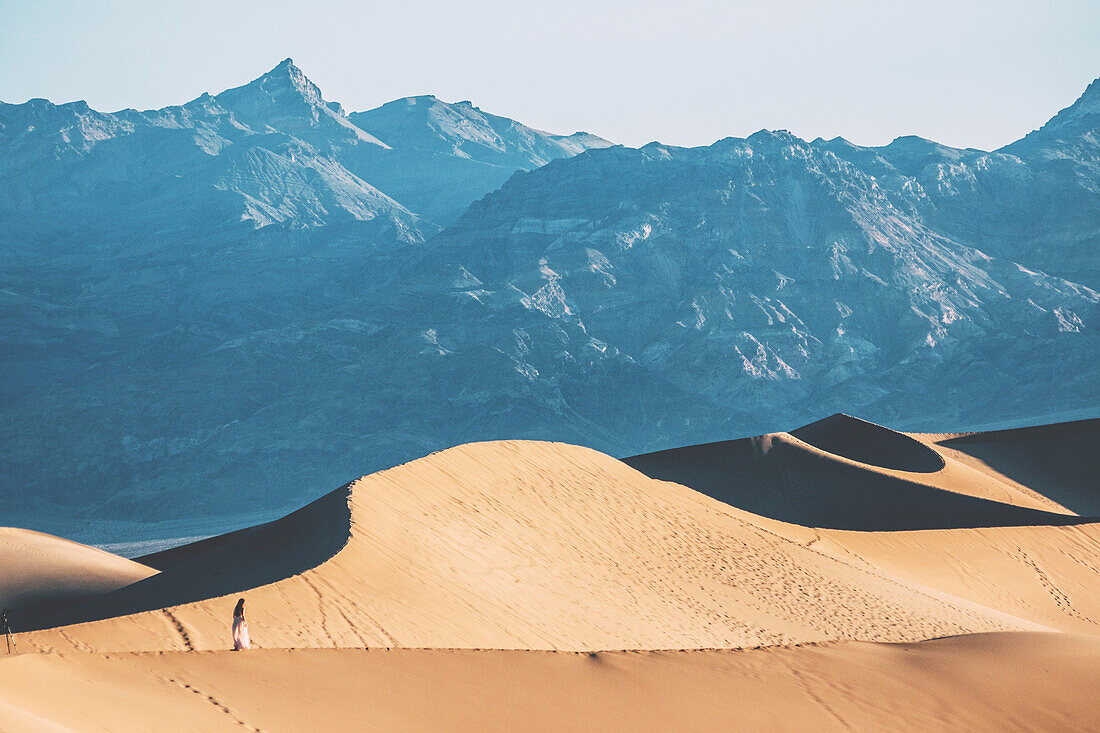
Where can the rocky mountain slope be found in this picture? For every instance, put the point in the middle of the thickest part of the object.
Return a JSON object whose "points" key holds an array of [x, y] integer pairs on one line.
{"points": [[443, 156], [233, 302]]}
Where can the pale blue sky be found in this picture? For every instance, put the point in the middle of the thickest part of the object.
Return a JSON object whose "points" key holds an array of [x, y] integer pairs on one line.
{"points": [[965, 72]]}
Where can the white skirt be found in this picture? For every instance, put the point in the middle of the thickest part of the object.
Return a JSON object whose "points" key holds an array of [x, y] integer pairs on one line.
{"points": [[240, 634]]}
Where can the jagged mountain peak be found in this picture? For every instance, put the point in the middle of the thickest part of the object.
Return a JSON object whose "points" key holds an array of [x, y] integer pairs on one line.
{"points": [[1077, 120], [1084, 111], [283, 86], [72, 126], [1092, 91], [453, 153], [1090, 98], [286, 100], [288, 75], [785, 136]]}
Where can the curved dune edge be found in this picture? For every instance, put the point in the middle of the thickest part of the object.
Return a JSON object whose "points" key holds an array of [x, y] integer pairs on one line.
{"points": [[999, 502], [230, 564], [784, 477], [979, 682], [861, 441], [40, 573], [530, 545], [1058, 464]]}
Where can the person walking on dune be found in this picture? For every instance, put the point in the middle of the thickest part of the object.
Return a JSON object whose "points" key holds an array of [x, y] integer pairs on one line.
{"points": [[240, 628]]}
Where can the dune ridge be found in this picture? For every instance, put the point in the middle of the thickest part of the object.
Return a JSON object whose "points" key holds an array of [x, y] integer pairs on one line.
{"points": [[787, 476], [865, 442], [232, 563]]}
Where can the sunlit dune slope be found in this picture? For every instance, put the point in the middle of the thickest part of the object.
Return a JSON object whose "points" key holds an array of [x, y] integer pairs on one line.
{"points": [[1049, 575], [529, 545], [40, 573]]}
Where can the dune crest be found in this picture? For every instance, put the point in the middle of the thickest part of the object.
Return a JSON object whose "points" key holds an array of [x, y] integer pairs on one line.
{"points": [[865, 442], [228, 564], [846, 473], [1059, 463]]}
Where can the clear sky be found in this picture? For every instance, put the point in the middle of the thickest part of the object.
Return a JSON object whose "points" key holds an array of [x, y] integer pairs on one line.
{"points": [[977, 73]]}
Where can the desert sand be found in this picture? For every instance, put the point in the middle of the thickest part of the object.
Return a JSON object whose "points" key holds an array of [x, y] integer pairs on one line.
{"points": [[963, 683], [40, 573], [839, 575]]}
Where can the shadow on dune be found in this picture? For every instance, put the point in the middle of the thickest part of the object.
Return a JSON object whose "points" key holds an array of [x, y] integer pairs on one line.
{"points": [[229, 563], [41, 574], [1061, 461], [778, 477], [865, 442]]}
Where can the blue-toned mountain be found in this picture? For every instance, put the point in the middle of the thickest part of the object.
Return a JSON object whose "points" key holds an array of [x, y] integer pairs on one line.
{"points": [[248, 298]]}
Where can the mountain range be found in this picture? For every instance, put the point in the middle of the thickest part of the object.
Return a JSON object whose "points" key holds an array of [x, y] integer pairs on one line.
{"points": [[238, 302]]}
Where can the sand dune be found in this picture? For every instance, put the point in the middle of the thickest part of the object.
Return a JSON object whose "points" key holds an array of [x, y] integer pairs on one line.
{"points": [[1059, 462], [984, 682], [867, 443], [845, 473], [40, 573], [525, 546], [230, 563], [1047, 575]]}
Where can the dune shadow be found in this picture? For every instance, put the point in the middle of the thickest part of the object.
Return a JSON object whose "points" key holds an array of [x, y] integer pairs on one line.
{"points": [[783, 480], [229, 563], [1060, 461], [866, 442]]}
